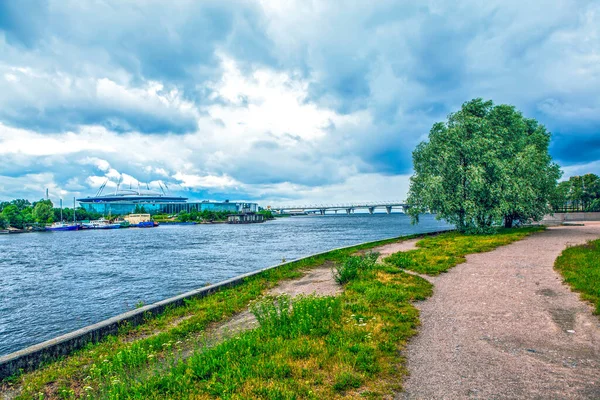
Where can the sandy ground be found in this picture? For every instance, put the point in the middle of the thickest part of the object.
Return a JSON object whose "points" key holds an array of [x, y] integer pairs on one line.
{"points": [[392, 248], [502, 325]]}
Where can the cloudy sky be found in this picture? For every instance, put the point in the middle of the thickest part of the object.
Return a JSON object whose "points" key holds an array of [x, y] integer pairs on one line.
{"points": [[277, 101]]}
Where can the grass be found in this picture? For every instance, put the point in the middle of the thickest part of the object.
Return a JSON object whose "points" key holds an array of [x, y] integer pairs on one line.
{"points": [[580, 268], [351, 267], [309, 348], [440, 253]]}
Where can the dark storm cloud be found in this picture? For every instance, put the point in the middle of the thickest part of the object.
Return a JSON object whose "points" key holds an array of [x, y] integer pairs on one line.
{"points": [[394, 67]]}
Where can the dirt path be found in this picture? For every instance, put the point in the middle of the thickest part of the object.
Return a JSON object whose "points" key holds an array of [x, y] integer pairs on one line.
{"points": [[392, 248], [504, 326]]}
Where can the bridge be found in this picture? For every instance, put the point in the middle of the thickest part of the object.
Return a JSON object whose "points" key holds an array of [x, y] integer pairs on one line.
{"points": [[348, 208]]}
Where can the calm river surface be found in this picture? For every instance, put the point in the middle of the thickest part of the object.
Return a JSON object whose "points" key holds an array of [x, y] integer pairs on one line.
{"points": [[53, 283]]}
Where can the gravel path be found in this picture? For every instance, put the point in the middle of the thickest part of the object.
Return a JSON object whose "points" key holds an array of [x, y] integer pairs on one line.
{"points": [[504, 326]]}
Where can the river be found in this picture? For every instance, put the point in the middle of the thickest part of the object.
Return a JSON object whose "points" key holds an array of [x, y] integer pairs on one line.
{"points": [[54, 283]]}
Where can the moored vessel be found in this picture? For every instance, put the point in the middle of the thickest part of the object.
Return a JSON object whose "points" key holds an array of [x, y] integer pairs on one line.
{"points": [[100, 224], [59, 226]]}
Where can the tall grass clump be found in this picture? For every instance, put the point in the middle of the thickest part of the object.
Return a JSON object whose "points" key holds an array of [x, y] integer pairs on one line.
{"points": [[353, 266], [580, 268], [307, 315]]}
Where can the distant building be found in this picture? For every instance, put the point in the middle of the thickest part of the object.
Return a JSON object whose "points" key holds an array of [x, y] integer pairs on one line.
{"points": [[245, 218], [126, 201]]}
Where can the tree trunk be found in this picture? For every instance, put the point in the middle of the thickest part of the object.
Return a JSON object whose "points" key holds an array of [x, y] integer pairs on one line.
{"points": [[508, 221]]}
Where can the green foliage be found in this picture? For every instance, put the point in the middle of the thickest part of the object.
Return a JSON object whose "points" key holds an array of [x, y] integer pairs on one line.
{"points": [[580, 268], [268, 214], [485, 165], [184, 216], [579, 193], [439, 253], [313, 316], [43, 211], [139, 210], [347, 380], [353, 266], [310, 347], [14, 217]]}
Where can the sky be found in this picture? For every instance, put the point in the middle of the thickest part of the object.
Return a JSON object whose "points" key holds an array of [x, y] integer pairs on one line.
{"points": [[274, 101]]}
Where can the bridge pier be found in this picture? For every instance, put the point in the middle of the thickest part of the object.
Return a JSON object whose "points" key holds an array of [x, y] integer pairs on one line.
{"points": [[371, 210], [322, 211], [349, 210], [388, 209]]}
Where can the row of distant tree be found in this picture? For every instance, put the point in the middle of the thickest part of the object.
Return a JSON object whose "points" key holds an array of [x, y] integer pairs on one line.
{"points": [[579, 193], [20, 213]]}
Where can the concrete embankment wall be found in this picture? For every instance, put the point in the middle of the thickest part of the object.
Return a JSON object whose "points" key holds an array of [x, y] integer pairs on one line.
{"points": [[32, 357], [559, 218]]}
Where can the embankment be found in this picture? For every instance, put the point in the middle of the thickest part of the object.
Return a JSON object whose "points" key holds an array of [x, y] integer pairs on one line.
{"points": [[32, 357]]}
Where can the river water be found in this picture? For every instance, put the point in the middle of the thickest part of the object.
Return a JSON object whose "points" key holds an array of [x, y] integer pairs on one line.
{"points": [[53, 283]]}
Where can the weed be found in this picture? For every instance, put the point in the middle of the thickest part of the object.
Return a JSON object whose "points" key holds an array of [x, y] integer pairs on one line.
{"points": [[353, 266], [345, 381]]}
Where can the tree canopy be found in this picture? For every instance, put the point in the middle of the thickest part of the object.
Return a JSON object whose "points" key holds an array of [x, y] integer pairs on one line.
{"points": [[485, 165], [20, 213], [578, 193]]}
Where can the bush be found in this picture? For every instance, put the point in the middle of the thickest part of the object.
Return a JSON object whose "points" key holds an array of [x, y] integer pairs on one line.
{"points": [[352, 267]]}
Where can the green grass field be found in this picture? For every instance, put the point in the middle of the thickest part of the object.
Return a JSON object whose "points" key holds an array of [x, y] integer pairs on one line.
{"points": [[580, 268], [309, 348]]}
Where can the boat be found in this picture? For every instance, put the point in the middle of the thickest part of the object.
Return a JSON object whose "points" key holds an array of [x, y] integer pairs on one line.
{"points": [[140, 221], [122, 222], [144, 224], [59, 226], [100, 224]]}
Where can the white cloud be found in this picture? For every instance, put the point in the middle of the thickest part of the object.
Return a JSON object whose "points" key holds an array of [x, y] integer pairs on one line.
{"points": [[267, 101], [207, 181]]}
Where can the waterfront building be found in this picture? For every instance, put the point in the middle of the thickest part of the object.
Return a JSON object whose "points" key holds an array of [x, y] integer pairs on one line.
{"points": [[246, 218], [129, 201]]}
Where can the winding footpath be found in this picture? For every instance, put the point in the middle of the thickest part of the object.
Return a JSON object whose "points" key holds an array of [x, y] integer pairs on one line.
{"points": [[502, 325]]}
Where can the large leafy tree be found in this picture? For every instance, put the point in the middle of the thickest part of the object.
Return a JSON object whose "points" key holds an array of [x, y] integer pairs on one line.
{"points": [[43, 211], [12, 215], [486, 165]]}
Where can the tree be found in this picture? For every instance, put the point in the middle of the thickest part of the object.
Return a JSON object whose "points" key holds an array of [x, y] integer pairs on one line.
{"points": [[43, 211], [486, 165], [21, 204], [579, 193], [11, 214], [139, 210], [184, 216], [3, 222]]}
